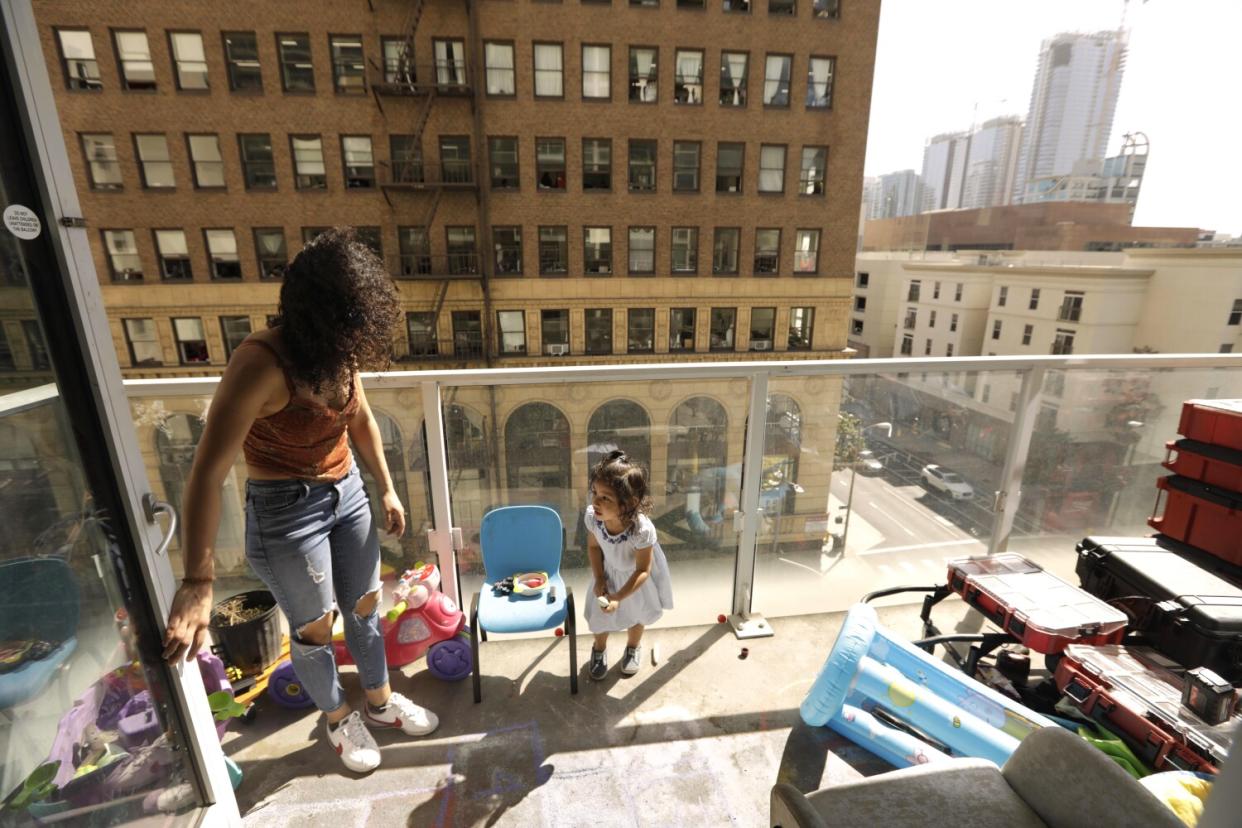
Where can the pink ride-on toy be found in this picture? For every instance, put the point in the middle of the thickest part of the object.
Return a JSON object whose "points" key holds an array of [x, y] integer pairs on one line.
{"points": [[423, 621]]}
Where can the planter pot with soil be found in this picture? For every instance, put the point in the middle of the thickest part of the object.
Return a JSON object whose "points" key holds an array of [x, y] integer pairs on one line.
{"points": [[246, 629]]}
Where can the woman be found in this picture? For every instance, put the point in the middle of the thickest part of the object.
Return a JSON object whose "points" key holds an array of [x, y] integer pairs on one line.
{"points": [[292, 401]]}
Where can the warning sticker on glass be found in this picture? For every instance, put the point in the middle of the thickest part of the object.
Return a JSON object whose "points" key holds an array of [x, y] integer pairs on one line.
{"points": [[22, 222]]}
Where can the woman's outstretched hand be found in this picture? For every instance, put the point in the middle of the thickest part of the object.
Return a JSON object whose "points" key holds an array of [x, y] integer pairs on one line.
{"points": [[394, 515], [187, 622]]}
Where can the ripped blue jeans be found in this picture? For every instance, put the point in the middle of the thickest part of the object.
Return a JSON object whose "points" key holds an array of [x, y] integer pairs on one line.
{"points": [[312, 543]]}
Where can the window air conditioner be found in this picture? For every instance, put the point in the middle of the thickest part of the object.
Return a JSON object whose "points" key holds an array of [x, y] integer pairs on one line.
{"points": [[761, 344], [558, 350]]}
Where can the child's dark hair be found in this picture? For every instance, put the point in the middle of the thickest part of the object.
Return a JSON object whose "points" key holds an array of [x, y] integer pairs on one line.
{"points": [[628, 479]]}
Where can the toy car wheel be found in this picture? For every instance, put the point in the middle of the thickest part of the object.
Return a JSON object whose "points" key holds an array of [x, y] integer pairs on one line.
{"points": [[450, 660], [248, 716], [285, 688]]}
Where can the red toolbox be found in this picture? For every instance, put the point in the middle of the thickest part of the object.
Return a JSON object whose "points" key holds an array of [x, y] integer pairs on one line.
{"points": [[1202, 516], [1216, 422], [1211, 465], [1136, 693], [1036, 607]]}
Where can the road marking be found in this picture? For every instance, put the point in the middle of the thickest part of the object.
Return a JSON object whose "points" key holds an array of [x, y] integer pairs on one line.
{"points": [[944, 520], [908, 567], [872, 504], [804, 566], [885, 549]]}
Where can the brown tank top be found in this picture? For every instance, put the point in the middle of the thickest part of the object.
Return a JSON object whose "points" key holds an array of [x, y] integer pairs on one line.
{"points": [[306, 439]]}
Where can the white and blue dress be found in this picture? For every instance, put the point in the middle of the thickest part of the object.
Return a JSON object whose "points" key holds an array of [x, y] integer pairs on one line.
{"points": [[656, 595]]}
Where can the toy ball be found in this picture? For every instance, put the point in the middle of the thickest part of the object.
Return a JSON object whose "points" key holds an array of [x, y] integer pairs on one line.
{"points": [[559, 632], [720, 619], [285, 688]]}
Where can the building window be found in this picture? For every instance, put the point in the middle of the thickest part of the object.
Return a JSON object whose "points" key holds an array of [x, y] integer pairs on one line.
{"points": [[819, 74], [598, 331], [860, 303], [685, 250], [455, 165], [1064, 342], [191, 340], [222, 254], [782, 7], [931, 319], [467, 334], [373, 239], [690, 4], [642, 250], [736, 6], [927, 346], [1226, 348], [953, 322], [911, 320], [123, 255], [733, 71], [553, 251], [503, 154], [358, 157], [462, 251], [144, 342], [644, 74], [309, 234], [549, 70], [957, 292], [77, 55], [767, 251], [688, 78], [996, 329], [862, 279], [777, 69], [596, 164], [907, 345], [642, 166], [174, 255], [762, 328], [101, 161], [296, 70], [686, 166], [134, 53], [827, 9], [729, 164], [554, 332], [857, 327], [269, 245], [812, 179], [406, 155], [420, 333], [1071, 307], [501, 77], [597, 72], [948, 350], [723, 329], [1235, 313], [155, 162], [936, 290], [512, 328], [913, 290], [1034, 304], [348, 67], [1027, 330], [1002, 297], [233, 329], [681, 329], [309, 172], [771, 169], [597, 251], [189, 60], [258, 165], [550, 163], [398, 61], [241, 54], [507, 242], [724, 251], [414, 249], [450, 57], [206, 160], [806, 252], [640, 335], [801, 328]]}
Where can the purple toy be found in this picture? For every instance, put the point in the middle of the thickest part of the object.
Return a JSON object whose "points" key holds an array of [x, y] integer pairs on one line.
{"points": [[285, 688], [138, 724]]}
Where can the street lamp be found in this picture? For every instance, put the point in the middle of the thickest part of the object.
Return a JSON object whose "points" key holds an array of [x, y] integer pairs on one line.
{"points": [[849, 500]]}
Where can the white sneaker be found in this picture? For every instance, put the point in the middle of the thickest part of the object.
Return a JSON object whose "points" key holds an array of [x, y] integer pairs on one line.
{"points": [[405, 715], [355, 744]]}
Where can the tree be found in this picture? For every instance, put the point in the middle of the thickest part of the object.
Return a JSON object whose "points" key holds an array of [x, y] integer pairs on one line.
{"points": [[850, 441]]}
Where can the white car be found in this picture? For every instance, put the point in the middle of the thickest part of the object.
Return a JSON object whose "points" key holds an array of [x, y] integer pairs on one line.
{"points": [[868, 463], [946, 482]]}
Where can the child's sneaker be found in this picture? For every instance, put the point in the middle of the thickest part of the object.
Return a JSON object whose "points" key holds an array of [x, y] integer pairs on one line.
{"points": [[401, 713], [354, 744], [599, 664], [632, 661]]}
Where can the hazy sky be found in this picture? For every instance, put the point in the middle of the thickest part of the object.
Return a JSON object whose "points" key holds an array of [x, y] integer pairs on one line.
{"points": [[937, 59]]}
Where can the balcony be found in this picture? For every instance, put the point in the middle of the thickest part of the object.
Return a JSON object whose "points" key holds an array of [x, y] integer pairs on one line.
{"points": [[761, 501], [414, 175], [428, 266], [400, 79]]}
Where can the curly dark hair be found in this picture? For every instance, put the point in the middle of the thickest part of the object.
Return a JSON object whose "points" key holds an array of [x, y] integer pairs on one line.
{"points": [[338, 306], [628, 479]]}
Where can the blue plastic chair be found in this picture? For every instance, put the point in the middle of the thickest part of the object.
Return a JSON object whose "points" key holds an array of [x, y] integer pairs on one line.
{"points": [[515, 539], [39, 600]]}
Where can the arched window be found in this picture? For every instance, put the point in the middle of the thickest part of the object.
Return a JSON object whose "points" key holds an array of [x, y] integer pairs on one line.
{"points": [[782, 446], [394, 456], [622, 424], [537, 448], [175, 442], [466, 449]]}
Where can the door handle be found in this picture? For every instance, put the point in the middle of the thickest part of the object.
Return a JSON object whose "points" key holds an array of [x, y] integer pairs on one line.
{"points": [[152, 508]]}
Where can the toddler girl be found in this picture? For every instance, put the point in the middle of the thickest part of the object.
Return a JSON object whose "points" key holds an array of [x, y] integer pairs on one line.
{"points": [[632, 585]]}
